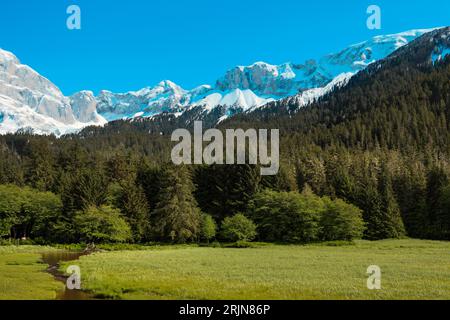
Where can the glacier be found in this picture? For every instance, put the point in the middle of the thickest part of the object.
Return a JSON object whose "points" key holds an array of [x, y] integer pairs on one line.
{"points": [[29, 101]]}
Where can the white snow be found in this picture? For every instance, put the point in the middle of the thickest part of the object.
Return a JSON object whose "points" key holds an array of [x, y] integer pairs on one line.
{"points": [[440, 54], [28, 100]]}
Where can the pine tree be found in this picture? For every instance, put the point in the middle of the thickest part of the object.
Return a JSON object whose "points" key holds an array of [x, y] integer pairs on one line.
{"points": [[443, 215], [437, 181], [40, 165], [369, 201], [130, 198], [393, 226], [224, 190], [410, 189], [176, 216]]}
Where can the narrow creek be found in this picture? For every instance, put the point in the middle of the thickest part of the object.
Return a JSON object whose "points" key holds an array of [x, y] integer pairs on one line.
{"points": [[54, 259]]}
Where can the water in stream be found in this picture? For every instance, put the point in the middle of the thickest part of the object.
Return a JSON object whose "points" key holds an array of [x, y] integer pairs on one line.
{"points": [[53, 259]]}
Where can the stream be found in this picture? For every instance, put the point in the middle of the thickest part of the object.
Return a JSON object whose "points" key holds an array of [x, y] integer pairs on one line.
{"points": [[53, 259]]}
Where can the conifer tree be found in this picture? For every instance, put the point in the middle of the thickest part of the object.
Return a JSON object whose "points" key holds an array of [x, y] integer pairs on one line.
{"points": [[393, 226], [176, 216], [224, 190], [130, 198], [437, 181]]}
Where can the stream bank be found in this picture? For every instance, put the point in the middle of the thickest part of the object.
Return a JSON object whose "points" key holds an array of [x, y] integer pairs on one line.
{"points": [[54, 259]]}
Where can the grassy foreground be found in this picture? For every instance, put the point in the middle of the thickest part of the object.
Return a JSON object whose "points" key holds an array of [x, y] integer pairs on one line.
{"points": [[411, 269], [23, 277]]}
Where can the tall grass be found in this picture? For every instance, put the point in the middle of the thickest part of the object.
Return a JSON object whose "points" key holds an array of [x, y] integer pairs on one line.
{"points": [[411, 269]]}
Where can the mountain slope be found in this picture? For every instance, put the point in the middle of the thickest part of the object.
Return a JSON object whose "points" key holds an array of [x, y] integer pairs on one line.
{"points": [[30, 102], [248, 87], [401, 102]]}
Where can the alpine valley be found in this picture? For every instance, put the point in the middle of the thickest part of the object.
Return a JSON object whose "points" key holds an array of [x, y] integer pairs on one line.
{"points": [[31, 103], [363, 180]]}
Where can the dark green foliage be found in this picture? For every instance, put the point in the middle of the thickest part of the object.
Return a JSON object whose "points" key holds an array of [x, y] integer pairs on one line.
{"points": [[410, 187], [302, 218], [380, 143], [25, 212], [437, 193], [287, 217], [224, 190], [176, 216], [83, 189], [130, 198], [285, 180], [341, 221], [393, 225], [149, 178], [437, 179], [442, 227]]}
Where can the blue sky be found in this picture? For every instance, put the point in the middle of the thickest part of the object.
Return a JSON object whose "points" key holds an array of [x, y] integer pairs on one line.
{"points": [[127, 45]]}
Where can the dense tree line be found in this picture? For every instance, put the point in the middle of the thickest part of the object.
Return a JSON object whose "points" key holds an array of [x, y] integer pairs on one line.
{"points": [[380, 145], [398, 195]]}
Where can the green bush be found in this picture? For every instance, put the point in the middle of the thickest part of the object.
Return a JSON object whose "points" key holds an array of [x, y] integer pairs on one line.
{"points": [[341, 221], [215, 244], [238, 228], [242, 245], [287, 216], [27, 213], [101, 224], [208, 227], [303, 218]]}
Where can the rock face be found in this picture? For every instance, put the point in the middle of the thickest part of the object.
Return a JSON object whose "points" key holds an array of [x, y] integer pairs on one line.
{"points": [[29, 101], [262, 78], [27, 87], [289, 78], [166, 96], [84, 107]]}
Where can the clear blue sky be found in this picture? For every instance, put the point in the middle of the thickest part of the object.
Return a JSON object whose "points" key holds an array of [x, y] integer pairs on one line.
{"points": [[127, 45]]}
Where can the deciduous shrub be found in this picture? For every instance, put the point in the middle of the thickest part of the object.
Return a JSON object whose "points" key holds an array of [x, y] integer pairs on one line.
{"points": [[26, 212], [341, 221], [208, 227], [101, 224], [286, 217], [303, 218], [238, 228]]}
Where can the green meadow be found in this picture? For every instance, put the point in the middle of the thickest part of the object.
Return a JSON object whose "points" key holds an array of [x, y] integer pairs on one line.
{"points": [[411, 269], [23, 276]]}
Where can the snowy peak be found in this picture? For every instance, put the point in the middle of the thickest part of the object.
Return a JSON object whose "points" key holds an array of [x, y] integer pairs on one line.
{"points": [[359, 56], [262, 78], [15, 74], [30, 101], [289, 79], [8, 56], [234, 99], [164, 97]]}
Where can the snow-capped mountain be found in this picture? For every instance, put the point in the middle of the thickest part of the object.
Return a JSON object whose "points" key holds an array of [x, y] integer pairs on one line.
{"points": [[29, 101], [250, 87]]}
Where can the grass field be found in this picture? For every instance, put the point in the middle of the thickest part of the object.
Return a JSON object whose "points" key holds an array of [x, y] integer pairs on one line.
{"points": [[411, 269], [23, 277]]}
